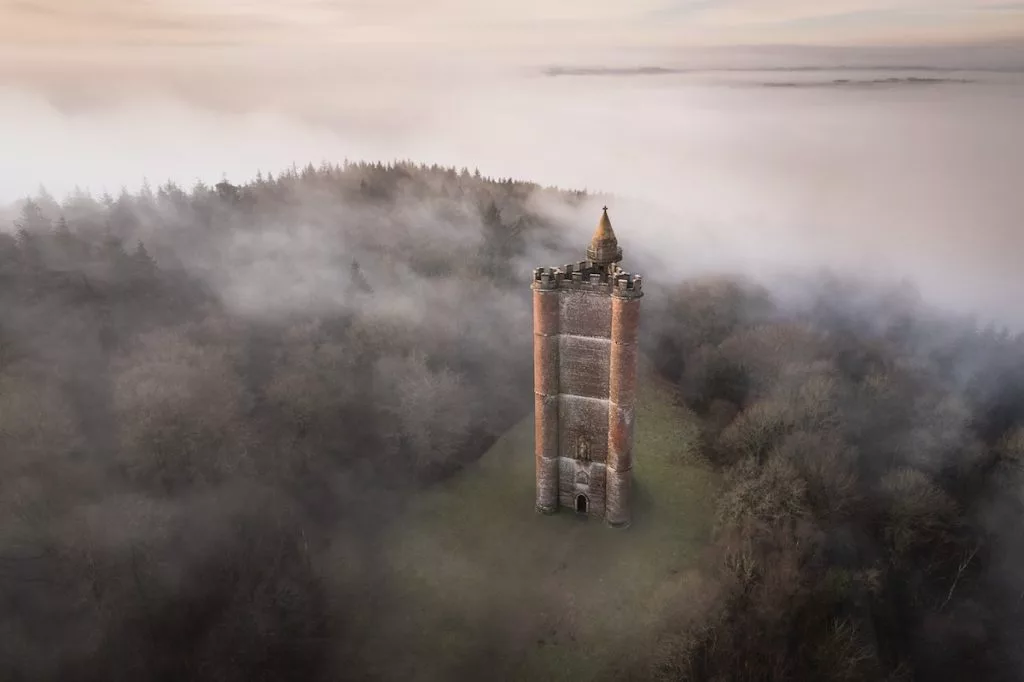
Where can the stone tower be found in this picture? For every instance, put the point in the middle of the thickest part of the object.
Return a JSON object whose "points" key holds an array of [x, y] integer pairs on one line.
{"points": [[585, 323]]}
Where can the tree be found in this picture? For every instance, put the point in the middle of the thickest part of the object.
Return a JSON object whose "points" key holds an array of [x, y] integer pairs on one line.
{"points": [[124, 220], [226, 191], [32, 219], [179, 406]]}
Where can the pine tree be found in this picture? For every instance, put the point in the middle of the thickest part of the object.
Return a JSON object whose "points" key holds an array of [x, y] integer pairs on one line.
{"points": [[69, 248], [123, 218], [32, 219], [143, 267], [226, 191]]}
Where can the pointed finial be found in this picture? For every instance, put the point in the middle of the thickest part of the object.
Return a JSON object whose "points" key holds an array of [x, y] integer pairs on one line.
{"points": [[604, 230], [604, 247]]}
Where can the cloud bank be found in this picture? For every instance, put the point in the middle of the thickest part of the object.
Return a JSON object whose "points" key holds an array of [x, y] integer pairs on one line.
{"points": [[885, 181]]}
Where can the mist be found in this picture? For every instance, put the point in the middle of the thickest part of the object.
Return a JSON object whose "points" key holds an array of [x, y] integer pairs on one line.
{"points": [[919, 180], [224, 406]]}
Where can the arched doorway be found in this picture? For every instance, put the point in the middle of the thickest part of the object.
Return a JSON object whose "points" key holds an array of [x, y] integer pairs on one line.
{"points": [[581, 504]]}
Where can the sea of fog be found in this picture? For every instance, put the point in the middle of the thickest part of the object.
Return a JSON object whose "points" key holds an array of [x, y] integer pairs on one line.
{"points": [[884, 171]]}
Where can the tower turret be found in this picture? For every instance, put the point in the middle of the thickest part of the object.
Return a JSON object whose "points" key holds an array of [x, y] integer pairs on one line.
{"points": [[604, 250]]}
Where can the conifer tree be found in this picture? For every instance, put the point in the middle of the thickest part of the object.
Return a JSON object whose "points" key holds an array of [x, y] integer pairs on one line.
{"points": [[32, 219]]}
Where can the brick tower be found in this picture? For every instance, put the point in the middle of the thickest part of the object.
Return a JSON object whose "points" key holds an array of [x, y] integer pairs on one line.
{"points": [[585, 329]]}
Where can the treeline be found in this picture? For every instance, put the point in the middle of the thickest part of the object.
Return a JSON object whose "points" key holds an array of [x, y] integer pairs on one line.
{"points": [[211, 399], [871, 522]]}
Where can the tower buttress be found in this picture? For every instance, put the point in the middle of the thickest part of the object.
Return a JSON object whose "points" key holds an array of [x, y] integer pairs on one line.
{"points": [[622, 371], [545, 382]]}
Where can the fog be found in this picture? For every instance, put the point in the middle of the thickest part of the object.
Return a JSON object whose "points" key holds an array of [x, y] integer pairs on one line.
{"points": [[897, 179], [204, 450]]}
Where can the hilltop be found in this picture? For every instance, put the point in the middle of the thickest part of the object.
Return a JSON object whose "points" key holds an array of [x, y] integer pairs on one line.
{"points": [[242, 433], [572, 596]]}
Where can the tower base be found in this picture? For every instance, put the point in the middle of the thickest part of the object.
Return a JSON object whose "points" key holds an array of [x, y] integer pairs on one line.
{"points": [[546, 511]]}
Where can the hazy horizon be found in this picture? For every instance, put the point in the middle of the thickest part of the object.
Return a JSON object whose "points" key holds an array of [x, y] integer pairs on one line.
{"points": [[754, 158]]}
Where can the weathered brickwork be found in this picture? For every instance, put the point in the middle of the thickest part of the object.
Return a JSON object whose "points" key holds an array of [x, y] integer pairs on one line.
{"points": [[620, 437], [546, 392], [546, 452], [583, 364], [577, 478], [586, 327], [618, 513], [583, 427], [585, 312], [622, 396]]}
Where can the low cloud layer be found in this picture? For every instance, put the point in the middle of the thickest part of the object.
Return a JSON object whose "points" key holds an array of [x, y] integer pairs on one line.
{"points": [[884, 181]]}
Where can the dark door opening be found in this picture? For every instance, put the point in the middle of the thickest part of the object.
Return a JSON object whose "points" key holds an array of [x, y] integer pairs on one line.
{"points": [[581, 504]]}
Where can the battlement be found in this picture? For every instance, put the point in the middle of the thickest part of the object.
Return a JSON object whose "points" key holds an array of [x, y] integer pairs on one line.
{"points": [[581, 276]]}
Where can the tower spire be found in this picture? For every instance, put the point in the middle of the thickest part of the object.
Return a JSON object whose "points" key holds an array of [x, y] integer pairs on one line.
{"points": [[604, 248]]}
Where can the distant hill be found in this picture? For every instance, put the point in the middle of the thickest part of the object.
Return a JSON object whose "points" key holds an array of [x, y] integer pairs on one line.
{"points": [[610, 71], [867, 82]]}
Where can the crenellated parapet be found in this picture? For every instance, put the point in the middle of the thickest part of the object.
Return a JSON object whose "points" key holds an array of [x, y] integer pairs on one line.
{"points": [[547, 278], [628, 286], [583, 276]]}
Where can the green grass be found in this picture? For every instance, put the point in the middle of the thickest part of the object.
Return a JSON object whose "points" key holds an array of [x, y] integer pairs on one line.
{"points": [[472, 565]]}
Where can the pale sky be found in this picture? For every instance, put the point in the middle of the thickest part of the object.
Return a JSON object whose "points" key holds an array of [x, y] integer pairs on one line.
{"points": [[73, 24]]}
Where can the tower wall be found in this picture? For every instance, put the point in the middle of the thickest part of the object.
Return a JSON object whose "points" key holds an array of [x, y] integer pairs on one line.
{"points": [[582, 478], [585, 319], [585, 312], [583, 422], [622, 401], [545, 382], [586, 323], [583, 365]]}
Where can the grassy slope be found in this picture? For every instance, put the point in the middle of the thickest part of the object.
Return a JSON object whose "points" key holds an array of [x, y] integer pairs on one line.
{"points": [[471, 560]]}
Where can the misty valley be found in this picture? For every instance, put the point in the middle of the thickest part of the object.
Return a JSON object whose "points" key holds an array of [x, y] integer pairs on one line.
{"points": [[284, 430]]}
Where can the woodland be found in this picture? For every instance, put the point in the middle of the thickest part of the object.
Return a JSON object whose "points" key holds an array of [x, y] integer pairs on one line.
{"points": [[213, 400]]}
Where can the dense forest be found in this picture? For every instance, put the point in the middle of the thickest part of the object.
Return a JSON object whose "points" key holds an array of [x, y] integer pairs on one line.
{"points": [[871, 519], [212, 400]]}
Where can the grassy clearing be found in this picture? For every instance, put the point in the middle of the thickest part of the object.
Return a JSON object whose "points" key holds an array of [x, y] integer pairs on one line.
{"points": [[472, 563]]}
